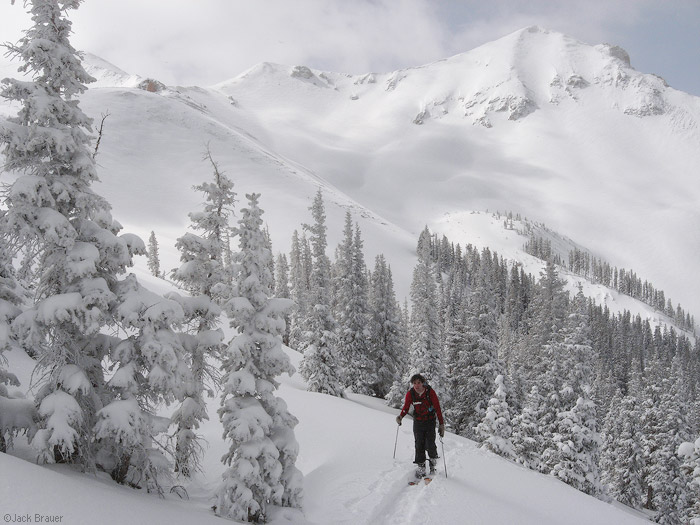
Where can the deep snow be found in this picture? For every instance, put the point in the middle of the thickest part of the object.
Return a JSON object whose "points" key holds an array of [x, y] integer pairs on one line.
{"points": [[350, 476]]}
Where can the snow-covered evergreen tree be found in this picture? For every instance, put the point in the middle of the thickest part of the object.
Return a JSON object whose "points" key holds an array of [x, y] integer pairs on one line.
{"points": [[150, 369], [201, 342], [576, 345], [261, 458], [320, 363], [11, 294], [352, 312], [543, 321], [282, 289], [622, 457], [495, 430], [578, 442], [54, 215], [473, 364], [397, 392], [527, 439], [669, 488], [386, 348], [425, 352], [153, 256], [202, 270], [202, 273], [298, 289], [690, 454]]}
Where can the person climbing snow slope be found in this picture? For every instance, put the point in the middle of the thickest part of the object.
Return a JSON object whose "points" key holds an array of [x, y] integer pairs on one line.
{"points": [[426, 406]]}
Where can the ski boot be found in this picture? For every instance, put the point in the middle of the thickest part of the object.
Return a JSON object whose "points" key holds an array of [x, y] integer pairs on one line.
{"points": [[420, 471], [433, 465]]}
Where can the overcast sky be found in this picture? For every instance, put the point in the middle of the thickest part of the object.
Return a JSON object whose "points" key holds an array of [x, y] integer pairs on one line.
{"points": [[207, 41]]}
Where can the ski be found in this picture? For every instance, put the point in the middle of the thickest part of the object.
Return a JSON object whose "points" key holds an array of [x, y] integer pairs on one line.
{"points": [[426, 481]]}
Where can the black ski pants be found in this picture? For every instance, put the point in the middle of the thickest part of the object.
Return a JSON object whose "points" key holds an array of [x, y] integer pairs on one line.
{"points": [[424, 434]]}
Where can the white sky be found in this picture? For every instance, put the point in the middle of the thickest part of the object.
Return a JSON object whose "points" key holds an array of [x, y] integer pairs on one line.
{"points": [[207, 41]]}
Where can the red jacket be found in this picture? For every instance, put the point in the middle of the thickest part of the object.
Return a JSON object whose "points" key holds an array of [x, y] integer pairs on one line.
{"points": [[422, 405]]}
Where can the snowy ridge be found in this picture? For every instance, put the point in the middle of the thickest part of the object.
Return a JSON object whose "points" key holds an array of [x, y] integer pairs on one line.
{"points": [[107, 74], [487, 230], [516, 75]]}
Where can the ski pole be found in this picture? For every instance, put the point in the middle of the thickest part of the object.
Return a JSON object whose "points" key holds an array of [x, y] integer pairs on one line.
{"points": [[442, 443], [397, 440]]}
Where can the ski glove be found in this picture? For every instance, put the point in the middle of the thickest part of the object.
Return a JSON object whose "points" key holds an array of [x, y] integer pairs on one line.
{"points": [[398, 420], [441, 430]]}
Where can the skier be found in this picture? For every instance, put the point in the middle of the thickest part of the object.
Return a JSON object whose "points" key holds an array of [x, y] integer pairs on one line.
{"points": [[426, 409]]}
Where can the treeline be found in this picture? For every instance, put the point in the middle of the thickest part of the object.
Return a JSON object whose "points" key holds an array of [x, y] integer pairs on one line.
{"points": [[601, 400], [624, 281]]}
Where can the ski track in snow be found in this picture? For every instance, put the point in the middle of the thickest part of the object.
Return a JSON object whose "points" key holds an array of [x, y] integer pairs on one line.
{"points": [[399, 502], [391, 501]]}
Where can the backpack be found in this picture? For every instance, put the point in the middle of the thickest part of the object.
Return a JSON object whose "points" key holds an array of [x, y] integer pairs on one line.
{"points": [[422, 411]]}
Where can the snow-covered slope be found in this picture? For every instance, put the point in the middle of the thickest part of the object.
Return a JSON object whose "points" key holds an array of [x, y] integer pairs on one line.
{"points": [[536, 123], [487, 230], [350, 476]]}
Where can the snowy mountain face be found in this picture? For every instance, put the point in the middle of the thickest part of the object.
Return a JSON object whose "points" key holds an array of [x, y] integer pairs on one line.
{"points": [[535, 123]]}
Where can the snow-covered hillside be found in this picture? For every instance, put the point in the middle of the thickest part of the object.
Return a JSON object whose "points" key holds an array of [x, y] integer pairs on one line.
{"points": [[350, 476], [535, 123]]}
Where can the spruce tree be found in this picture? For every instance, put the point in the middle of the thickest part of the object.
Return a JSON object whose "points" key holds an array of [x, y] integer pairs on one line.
{"points": [[54, 215], [543, 321], [622, 457], [397, 392], [298, 290], [202, 270], [578, 442], [386, 349], [319, 344], [495, 430], [203, 274], [473, 363], [352, 312], [690, 454], [11, 297], [150, 370], [424, 328], [282, 289], [670, 490], [262, 454], [153, 257], [527, 439]]}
